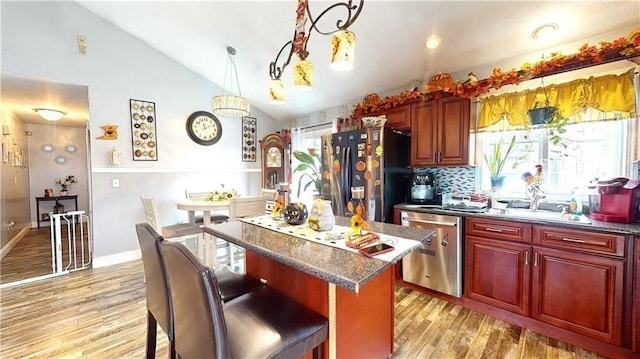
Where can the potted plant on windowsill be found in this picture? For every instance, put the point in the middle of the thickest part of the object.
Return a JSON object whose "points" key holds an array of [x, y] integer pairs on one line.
{"points": [[310, 167], [496, 161]]}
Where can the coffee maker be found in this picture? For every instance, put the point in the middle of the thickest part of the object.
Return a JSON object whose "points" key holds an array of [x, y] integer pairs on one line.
{"points": [[616, 200], [422, 188]]}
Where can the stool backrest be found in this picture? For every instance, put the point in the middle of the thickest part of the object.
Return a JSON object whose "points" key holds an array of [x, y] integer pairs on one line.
{"points": [[200, 329], [240, 207], [151, 215], [158, 299]]}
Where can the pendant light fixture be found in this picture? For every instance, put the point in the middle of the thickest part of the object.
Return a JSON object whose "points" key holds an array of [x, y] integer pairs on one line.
{"points": [[228, 104], [342, 48]]}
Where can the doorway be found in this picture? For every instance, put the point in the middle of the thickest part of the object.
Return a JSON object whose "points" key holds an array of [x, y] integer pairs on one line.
{"points": [[37, 156]]}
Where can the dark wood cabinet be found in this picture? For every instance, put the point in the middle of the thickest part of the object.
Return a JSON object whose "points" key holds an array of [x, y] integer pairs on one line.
{"points": [[440, 132], [635, 317], [579, 292], [568, 278], [497, 273], [399, 118]]}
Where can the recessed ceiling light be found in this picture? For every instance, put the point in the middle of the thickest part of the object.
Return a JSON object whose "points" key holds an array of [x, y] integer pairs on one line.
{"points": [[433, 42], [544, 32]]}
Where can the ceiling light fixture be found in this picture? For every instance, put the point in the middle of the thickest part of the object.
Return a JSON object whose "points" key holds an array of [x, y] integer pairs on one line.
{"points": [[228, 104], [433, 42], [544, 32], [342, 49], [49, 114]]}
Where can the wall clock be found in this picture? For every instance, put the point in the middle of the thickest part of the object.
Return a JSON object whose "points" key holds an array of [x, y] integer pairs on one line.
{"points": [[204, 128]]}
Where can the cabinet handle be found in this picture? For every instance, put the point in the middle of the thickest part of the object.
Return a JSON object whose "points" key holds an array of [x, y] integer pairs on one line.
{"points": [[439, 156], [435, 157], [573, 240], [535, 259], [493, 229], [526, 258]]}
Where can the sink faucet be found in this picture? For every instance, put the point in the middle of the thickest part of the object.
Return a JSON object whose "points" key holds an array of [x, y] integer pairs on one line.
{"points": [[536, 194]]}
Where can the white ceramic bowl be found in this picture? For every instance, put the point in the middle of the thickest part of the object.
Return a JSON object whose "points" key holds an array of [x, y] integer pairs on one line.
{"points": [[377, 121]]}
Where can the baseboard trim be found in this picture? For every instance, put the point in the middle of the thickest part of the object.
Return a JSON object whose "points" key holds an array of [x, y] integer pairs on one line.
{"points": [[112, 259], [13, 242]]}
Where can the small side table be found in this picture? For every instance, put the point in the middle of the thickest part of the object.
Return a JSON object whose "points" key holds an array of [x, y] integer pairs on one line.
{"points": [[73, 197]]}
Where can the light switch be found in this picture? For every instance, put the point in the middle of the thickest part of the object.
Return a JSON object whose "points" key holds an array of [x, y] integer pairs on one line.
{"points": [[115, 182]]}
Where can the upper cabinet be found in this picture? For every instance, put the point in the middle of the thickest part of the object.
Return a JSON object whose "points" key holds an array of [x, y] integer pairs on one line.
{"points": [[399, 118], [440, 131]]}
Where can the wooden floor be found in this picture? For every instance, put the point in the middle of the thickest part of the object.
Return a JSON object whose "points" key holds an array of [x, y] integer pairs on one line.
{"points": [[31, 257], [100, 313]]}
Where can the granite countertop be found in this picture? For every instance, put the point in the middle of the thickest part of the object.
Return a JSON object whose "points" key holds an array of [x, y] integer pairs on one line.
{"points": [[598, 226], [347, 269]]}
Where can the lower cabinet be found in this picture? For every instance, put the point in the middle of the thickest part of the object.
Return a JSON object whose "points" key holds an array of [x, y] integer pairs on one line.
{"points": [[635, 331], [560, 284]]}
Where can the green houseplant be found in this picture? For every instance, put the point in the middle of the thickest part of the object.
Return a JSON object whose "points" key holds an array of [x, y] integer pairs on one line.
{"points": [[551, 118], [310, 167], [496, 160]]}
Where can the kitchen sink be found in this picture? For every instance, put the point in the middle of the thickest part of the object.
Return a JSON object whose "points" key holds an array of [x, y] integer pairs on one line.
{"points": [[542, 214]]}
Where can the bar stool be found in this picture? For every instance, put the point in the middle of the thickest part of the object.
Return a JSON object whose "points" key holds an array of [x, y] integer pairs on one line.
{"points": [[159, 307], [260, 324]]}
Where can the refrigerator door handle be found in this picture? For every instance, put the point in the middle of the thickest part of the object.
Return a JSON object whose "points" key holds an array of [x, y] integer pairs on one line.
{"points": [[346, 171]]}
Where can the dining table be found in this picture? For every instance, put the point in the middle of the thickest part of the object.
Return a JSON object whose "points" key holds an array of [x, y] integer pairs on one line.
{"points": [[207, 247], [201, 204]]}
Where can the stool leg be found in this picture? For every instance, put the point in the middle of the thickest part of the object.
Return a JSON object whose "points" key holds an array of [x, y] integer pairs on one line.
{"points": [[152, 329], [317, 352]]}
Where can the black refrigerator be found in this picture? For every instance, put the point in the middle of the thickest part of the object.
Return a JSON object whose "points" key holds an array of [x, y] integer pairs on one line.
{"points": [[374, 162]]}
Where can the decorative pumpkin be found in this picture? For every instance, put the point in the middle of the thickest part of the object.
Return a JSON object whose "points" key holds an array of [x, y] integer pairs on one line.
{"points": [[440, 82], [296, 213]]}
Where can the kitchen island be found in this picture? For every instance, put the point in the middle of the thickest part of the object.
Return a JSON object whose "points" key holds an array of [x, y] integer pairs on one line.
{"points": [[355, 292]]}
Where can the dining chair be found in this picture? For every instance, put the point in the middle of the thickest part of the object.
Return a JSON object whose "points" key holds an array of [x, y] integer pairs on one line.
{"points": [[178, 231], [159, 306], [260, 324], [240, 207], [271, 199], [215, 217]]}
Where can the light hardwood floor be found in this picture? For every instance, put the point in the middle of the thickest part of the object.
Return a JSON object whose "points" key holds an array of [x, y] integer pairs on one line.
{"points": [[100, 313]]}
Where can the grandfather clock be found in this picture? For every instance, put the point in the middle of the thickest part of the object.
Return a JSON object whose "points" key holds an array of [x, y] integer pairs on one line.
{"points": [[275, 159]]}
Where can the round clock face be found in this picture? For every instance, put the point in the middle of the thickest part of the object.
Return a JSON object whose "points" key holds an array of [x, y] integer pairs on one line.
{"points": [[274, 157], [204, 128]]}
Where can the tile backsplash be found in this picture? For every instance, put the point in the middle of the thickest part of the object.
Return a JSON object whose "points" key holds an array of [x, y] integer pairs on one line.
{"points": [[460, 179]]}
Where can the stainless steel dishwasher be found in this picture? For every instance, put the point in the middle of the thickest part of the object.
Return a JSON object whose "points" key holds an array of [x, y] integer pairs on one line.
{"points": [[438, 265]]}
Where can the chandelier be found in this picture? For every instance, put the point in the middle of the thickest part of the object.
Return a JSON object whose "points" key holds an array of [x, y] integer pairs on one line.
{"points": [[228, 104], [342, 49]]}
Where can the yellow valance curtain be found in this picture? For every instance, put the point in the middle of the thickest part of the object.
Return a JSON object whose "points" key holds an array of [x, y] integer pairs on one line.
{"points": [[609, 93]]}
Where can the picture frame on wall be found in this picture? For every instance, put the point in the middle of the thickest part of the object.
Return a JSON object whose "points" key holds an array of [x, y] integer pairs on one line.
{"points": [[249, 133]]}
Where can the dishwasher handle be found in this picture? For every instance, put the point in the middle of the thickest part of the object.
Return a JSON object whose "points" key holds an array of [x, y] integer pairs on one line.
{"points": [[436, 223]]}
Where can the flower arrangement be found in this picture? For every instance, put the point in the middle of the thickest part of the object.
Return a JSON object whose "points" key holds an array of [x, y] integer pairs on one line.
{"points": [[621, 48], [278, 207], [66, 182], [217, 196]]}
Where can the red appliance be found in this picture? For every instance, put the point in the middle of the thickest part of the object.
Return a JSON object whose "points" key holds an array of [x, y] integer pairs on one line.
{"points": [[619, 200]]}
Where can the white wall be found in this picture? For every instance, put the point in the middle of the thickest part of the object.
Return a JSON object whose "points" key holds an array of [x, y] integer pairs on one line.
{"points": [[39, 40]]}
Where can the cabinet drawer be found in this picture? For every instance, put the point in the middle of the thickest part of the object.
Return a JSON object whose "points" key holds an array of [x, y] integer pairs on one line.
{"points": [[592, 242], [514, 231]]}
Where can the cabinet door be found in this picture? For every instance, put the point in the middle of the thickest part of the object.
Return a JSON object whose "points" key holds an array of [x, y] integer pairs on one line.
{"points": [[453, 141], [399, 118], [497, 273], [579, 292], [636, 295], [424, 133]]}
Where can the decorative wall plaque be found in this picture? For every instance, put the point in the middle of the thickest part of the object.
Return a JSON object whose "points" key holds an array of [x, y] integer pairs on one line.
{"points": [[143, 130], [249, 129]]}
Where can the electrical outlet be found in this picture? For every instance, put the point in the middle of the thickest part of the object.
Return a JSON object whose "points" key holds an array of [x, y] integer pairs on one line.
{"points": [[115, 183]]}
